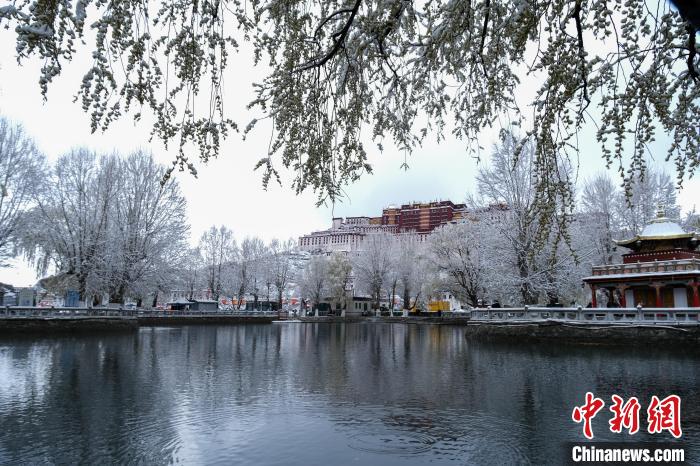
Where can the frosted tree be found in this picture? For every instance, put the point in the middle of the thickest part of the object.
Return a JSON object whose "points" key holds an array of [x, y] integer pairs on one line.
{"points": [[560, 267], [510, 180], [70, 227], [394, 273], [107, 225], [149, 229], [218, 248], [459, 255], [250, 256], [409, 263], [339, 277], [281, 266], [21, 168], [691, 221], [649, 192], [600, 208], [315, 279], [259, 269], [401, 69], [587, 241], [372, 265], [190, 275]]}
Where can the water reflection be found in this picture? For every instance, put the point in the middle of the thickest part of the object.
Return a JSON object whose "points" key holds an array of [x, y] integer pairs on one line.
{"points": [[304, 393]]}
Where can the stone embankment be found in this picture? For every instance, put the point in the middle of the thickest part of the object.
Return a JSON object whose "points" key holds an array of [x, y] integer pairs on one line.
{"points": [[71, 320], [586, 333], [203, 320], [384, 320], [86, 324]]}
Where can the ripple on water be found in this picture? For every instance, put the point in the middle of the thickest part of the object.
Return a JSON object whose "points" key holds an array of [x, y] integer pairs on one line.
{"points": [[392, 443], [491, 451]]}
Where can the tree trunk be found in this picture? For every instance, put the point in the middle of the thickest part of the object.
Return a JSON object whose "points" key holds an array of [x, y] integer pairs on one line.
{"points": [[118, 295], [526, 290], [415, 302], [241, 292], [82, 291], [279, 304]]}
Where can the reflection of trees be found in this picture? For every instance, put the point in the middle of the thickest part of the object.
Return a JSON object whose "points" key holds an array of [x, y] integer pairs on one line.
{"points": [[128, 398], [147, 396], [431, 379]]}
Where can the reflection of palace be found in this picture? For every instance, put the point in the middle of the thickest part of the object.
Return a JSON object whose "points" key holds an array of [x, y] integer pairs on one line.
{"points": [[662, 269]]}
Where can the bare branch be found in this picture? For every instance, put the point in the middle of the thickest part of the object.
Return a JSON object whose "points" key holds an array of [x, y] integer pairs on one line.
{"points": [[338, 40]]}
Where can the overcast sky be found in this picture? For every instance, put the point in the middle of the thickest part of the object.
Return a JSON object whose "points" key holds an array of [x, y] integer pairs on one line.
{"points": [[227, 191]]}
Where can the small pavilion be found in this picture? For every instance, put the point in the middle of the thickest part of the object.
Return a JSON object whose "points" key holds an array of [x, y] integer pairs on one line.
{"points": [[661, 269]]}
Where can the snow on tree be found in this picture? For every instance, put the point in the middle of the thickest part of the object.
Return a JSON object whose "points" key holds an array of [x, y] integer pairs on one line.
{"points": [[249, 268], [191, 273], [218, 248], [259, 271], [70, 227], [649, 192], [149, 230], [600, 209], [315, 279], [691, 222], [561, 265], [404, 69], [510, 179], [107, 226], [461, 258], [410, 263], [281, 266], [339, 277], [373, 264], [21, 168]]}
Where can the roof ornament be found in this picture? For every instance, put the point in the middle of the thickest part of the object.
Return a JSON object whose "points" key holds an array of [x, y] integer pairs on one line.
{"points": [[660, 214]]}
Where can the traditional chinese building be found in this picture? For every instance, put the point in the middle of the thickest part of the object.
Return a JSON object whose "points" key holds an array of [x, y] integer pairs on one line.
{"points": [[661, 269]]}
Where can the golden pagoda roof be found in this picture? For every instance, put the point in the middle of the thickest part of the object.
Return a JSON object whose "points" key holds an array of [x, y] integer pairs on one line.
{"points": [[659, 229]]}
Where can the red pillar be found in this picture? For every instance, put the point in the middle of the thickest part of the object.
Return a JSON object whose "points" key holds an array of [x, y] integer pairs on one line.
{"points": [[594, 302], [659, 301], [696, 294], [623, 300]]}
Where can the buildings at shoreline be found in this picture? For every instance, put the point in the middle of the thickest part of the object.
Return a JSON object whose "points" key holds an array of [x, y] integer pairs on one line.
{"points": [[418, 219]]}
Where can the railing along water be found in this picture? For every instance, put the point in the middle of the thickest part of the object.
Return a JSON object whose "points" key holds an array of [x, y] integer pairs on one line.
{"points": [[680, 315], [77, 312]]}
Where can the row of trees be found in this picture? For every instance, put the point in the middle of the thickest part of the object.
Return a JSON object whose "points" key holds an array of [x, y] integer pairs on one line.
{"points": [[107, 226], [253, 268], [100, 224]]}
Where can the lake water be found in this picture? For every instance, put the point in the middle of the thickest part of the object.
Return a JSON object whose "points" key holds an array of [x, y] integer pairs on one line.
{"points": [[319, 394]]}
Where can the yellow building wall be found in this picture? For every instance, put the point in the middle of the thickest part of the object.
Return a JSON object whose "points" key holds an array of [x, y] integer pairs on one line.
{"points": [[435, 306]]}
